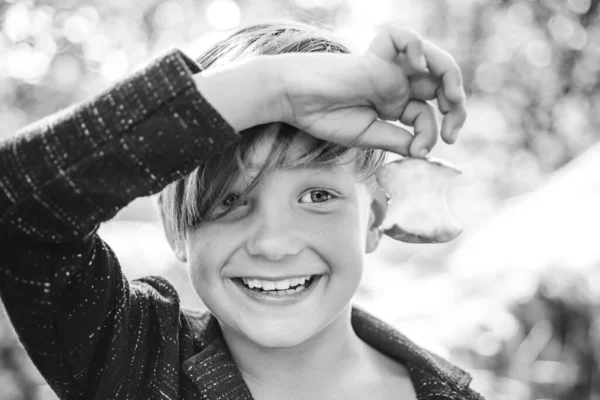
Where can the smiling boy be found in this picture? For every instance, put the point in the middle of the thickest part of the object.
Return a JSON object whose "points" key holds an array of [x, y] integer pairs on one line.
{"points": [[304, 224], [252, 214]]}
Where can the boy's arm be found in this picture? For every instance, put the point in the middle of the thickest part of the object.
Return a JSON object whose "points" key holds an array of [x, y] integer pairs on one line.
{"points": [[60, 283]]}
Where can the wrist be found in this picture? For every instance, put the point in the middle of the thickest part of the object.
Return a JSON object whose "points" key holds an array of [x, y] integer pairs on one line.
{"points": [[245, 93]]}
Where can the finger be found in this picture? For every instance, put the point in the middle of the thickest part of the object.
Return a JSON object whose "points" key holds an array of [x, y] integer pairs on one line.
{"points": [[452, 123], [393, 40], [408, 66], [442, 65], [427, 87], [386, 136], [424, 86], [450, 95], [454, 116], [421, 116], [444, 105], [416, 55]]}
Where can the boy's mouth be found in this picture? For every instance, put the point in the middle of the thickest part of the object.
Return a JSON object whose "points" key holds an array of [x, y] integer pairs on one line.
{"points": [[281, 287], [285, 292]]}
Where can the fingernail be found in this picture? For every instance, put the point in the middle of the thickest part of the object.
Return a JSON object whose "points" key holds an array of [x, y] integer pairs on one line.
{"points": [[423, 152]]}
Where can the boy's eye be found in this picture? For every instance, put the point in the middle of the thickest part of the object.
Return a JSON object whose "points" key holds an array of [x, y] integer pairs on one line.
{"points": [[317, 196], [230, 199], [226, 205]]}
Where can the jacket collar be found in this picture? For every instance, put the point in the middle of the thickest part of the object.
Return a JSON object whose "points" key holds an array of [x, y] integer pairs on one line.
{"points": [[394, 344], [216, 375]]}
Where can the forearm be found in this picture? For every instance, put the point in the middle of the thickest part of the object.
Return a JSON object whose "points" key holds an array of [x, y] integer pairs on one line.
{"points": [[75, 170], [61, 285], [245, 93]]}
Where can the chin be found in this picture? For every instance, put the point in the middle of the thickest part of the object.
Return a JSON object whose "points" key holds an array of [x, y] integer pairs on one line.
{"points": [[278, 336]]}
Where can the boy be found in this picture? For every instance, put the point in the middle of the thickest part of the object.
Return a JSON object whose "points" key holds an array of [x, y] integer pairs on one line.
{"points": [[272, 222]]}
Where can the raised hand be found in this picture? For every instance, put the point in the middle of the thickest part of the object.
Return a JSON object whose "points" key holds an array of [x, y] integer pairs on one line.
{"points": [[348, 98], [433, 74]]}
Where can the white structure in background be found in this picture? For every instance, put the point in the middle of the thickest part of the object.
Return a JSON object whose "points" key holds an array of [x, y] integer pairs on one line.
{"points": [[140, 246], [554, 226]]}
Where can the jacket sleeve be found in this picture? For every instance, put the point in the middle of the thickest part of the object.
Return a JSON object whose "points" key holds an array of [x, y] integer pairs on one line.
{"points": [[60, 283]]}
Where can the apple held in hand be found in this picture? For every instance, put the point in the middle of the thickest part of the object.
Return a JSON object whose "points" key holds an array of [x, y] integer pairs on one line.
{"points": [[417, 208]]}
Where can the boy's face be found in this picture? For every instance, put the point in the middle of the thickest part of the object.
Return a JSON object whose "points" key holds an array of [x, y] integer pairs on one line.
{"points": [[296, 223]]}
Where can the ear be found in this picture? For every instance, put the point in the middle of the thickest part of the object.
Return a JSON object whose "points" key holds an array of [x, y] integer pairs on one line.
{"points": [[180, 250], [377, 212], [177, 245]]}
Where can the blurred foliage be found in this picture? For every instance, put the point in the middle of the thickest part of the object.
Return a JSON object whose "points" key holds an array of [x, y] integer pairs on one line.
{"points": [[544, 347], [530, 67]]}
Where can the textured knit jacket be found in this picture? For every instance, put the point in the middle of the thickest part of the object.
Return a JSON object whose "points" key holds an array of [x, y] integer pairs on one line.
{"points": [[92, 333]]}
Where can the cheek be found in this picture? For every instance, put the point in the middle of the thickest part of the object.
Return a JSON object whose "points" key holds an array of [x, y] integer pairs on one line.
{"points": [[342, 242], [349, 240], [350, 230], [203, 260], [347, 236]]}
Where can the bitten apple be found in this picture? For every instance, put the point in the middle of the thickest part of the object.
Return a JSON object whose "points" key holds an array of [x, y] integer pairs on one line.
{"points": [[417, 191]]}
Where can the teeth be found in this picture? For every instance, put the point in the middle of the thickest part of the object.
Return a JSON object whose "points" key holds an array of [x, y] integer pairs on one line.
{"points": [[282, 285], [296, 281], [272, 285]]}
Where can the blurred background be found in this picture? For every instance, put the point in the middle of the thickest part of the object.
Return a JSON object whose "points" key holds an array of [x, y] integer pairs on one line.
{"points": [[515, 299]]}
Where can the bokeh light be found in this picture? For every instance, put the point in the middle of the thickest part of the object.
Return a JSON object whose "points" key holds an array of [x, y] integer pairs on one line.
{"points": [[169, 15], [27, 63], [17, 22], [539, 53], [223, 14], [373, 12], [114, 66], [579, 6], [77, 28]]}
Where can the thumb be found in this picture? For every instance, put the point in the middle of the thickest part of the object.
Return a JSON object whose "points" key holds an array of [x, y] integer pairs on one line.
{"points": [[386, 136]]}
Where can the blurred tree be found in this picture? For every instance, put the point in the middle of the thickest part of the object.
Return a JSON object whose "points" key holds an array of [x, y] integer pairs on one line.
{"points": [[553, 353]]}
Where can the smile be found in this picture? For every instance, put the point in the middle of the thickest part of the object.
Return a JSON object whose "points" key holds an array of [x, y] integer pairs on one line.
{"points": [[283, 291], [284, 285]]}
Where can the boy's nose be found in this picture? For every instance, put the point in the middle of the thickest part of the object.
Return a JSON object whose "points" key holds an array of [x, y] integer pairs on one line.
{"points": [[274, 238]]}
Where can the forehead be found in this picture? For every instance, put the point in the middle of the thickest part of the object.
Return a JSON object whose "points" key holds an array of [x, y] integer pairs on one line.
{"points": [[301, 144]]}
